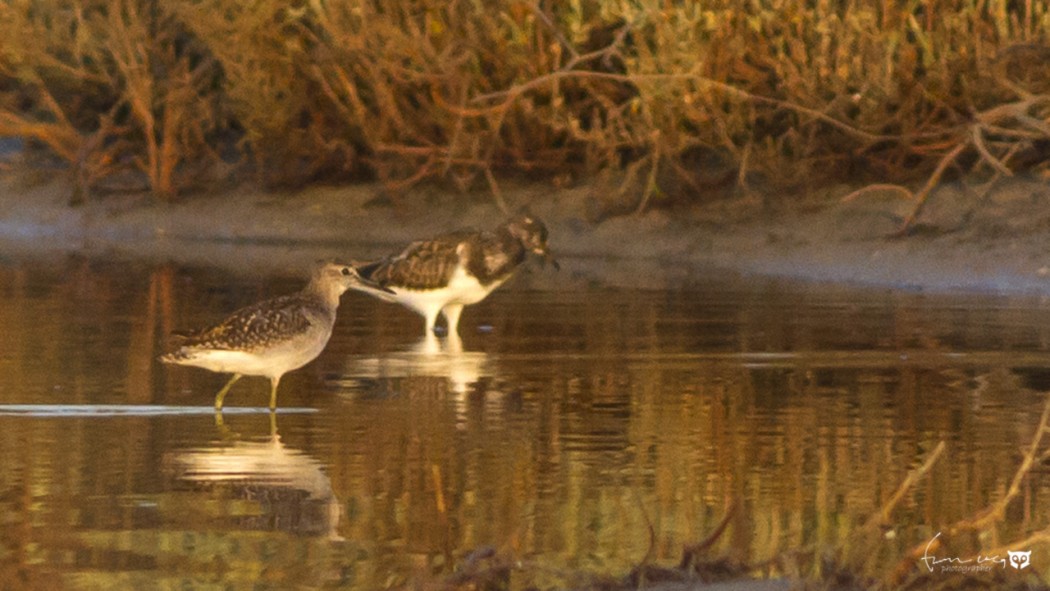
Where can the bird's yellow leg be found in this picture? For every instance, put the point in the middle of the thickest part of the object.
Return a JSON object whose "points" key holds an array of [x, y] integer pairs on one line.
{"points": [[451, 313], [225, 389], [220, 424], [273, 392], [273, 425]]}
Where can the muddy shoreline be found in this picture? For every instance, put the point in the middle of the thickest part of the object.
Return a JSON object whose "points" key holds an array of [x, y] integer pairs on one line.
{"points": [[964, 241]]}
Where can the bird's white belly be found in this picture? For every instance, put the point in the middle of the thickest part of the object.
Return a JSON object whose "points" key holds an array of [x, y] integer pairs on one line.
{"points": [[270, 362], [462, 289]]}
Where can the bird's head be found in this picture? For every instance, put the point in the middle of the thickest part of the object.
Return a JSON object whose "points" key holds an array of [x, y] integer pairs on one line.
{"points": [[341, 277], [532, 234]]}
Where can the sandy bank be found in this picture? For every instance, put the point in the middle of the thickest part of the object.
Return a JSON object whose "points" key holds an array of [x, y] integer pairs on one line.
{"points": [[998, 242]]}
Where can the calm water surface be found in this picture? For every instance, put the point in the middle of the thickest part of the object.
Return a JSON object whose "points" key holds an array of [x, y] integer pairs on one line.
{"points": [[573, 420]]}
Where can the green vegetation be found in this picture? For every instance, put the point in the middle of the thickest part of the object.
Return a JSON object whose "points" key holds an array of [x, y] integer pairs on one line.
{"points": [[679, 98]]}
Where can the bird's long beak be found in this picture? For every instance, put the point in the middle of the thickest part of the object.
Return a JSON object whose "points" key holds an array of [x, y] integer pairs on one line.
{"points": [[547, 257], [373, 285]]}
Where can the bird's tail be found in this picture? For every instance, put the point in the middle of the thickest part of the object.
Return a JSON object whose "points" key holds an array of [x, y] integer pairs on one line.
{"points": [[178, 352], [174, 357]]}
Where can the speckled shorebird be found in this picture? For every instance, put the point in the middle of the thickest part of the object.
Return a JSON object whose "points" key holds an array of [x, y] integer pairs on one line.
{"points": [[272, 337], [453, 270]]}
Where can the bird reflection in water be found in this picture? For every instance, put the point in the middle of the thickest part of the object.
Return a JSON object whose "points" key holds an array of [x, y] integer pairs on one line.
{"points": [[288, 489], [431, 357], [432, 369]]}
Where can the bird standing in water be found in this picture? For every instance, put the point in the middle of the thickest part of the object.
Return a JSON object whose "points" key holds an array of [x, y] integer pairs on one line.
{"points": [[445, 273], [272, 337]]}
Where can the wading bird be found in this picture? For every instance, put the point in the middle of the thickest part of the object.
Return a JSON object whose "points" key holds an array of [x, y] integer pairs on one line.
{"points": [[272, 337], [445, 273]]}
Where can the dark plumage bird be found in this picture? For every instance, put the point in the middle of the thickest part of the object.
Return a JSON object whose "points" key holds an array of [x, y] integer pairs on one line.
{"points": [[272, 337], [457, 269]]}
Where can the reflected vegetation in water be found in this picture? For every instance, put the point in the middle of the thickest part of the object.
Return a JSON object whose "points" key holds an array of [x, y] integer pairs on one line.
{"points": [[560, 434]]}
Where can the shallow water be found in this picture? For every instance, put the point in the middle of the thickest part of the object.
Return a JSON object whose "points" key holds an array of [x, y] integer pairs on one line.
{"points": [[571, 421]]}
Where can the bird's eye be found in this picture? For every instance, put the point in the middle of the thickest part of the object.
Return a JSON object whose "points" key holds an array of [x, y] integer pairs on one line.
{"points": [[346, 271]]}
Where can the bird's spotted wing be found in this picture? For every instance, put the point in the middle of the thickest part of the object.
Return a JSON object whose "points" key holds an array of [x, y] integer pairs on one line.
{"points": [[426, 264], [254, 327]]}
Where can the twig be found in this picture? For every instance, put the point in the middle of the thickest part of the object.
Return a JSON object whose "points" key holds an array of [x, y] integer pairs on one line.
{"points": [[1039, 537], [931, 183], [981, 193], [685, 175], [439, 490], [441, 153], [53, 106], [619, 39], [641, 568], [65, 141], [1013, 133], [883, 516], [631, 173], [978, 142], [873, 524], [1037, 124], [991, 514], [457, 131], [741, 173], [423, 172], [650, 182], [497, 127], [497, 195], [878, 187], [996, 511], [1012, 110], [566, 71], [515, 91], [462, 110], [329, 91], [985, 122], [690, 553], [546, 20]]}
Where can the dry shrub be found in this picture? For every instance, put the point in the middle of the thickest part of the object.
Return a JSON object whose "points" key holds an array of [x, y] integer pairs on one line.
{"points": [[164, 84], [107, 86], [259, 46], [793, 91], [43, 56], [330, 88], [779, 92]]}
